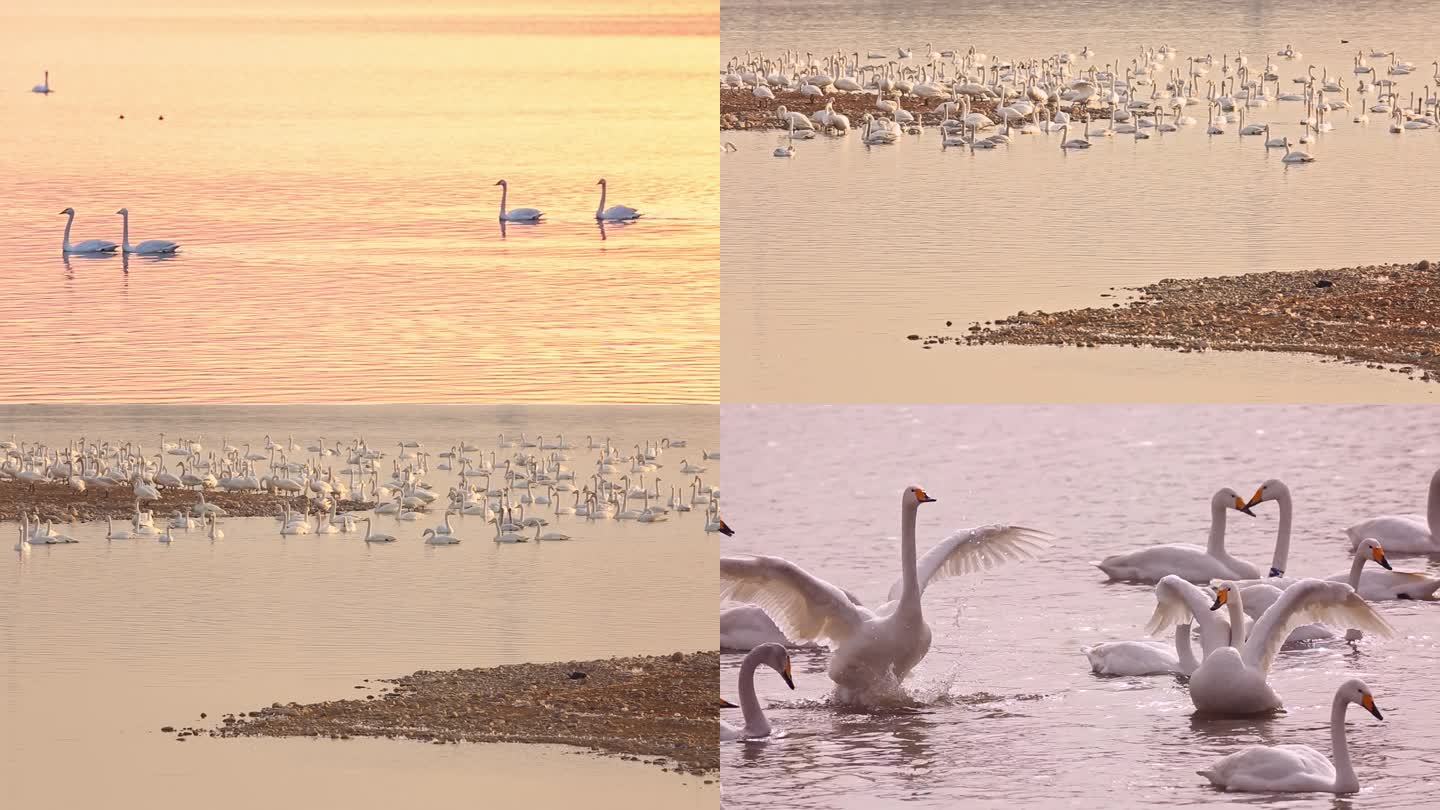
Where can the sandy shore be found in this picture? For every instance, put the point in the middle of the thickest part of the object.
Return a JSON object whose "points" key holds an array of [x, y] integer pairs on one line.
{"points": [[1383, 316], [740, 109], [656, 709], [58, 503]]}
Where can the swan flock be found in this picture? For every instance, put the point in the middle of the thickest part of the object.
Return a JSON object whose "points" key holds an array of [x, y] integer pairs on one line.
{"points": [[1230, 618]]}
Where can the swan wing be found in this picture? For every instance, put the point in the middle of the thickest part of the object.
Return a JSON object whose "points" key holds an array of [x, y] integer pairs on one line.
{"points": [[1311, 600], [1177, 601], [803, 606], [970, 550]]}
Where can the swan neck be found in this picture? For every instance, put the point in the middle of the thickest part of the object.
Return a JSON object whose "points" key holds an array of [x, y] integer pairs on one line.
{"points": [[70, 220], [1183, 650], [599, 209], [125, 231], [1345, 780], [755, 722], [1432, 505], [1361, 554], [1237, 620], [1282, 539], [910, 591], [1216, 545], [504, 194]]}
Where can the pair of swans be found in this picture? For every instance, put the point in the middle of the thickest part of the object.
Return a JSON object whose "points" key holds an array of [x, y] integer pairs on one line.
{"points": [[1192, 563], [1298, 768], [871, 647], [1231, 680], [150, 247], [756, 726], [615, 213]]}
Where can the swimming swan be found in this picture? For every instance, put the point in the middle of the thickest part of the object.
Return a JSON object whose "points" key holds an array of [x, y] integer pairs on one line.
{"points": [[1231, 681], [1192, 563], [615, 213], [150, 247], [1298, 768], [376, 537], [870, 646], [433, 539], [1405, 534], [774, 656], [1144, 657], [87, 246], [516, 214]]}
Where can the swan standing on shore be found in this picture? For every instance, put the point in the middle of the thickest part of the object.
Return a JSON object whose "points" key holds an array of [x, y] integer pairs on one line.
{"points": [[1298, 768], [773, 656], [1405, 534], [150, 247], [1191, 563], [87, 246], [517, 214], [615, 213], [871, 647]]}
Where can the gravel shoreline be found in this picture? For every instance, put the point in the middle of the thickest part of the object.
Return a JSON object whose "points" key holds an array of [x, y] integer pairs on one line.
{"points": [[57, 503], [655, 709], [1382, 316]]}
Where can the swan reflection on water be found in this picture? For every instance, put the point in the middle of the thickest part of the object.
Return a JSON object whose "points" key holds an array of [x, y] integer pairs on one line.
{"points": [[124, 260]]}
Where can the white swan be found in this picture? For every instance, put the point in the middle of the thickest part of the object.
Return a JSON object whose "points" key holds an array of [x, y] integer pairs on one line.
{"points": [[376, 537], [1405, 534], [745, 627], [1144, 657], [433, 539], [515, 214], [615, 213], [1181, 602], [871, 646], [43, 87], [1296, 155], [1192, 563], [111, 534], [87, 246], [150, 247], [771, 655], [1232, 680], [1298, 768]]}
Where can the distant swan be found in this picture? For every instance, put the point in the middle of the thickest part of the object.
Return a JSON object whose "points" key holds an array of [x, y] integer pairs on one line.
{"points": [[1298, 768], [376, 537], [149, 247], [517, 214], [615, 213], [433, 539], [43, 87], [774, 656], [87, 246]]}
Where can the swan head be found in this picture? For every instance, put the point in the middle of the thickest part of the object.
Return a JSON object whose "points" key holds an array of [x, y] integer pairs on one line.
{"points": [[1271, 490], [729, 532], [123, 212], [1358, 692], [1222, 594], [501, 183], [1372, 547], [601, 183], [914, 496], [69, 212], [1227, 498], [776, 657]]}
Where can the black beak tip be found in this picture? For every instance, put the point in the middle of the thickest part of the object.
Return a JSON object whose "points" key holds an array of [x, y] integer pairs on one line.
{"points": [[1384, 563], [788, 681], [726, 530], [1246, 510], [1375, 710]]}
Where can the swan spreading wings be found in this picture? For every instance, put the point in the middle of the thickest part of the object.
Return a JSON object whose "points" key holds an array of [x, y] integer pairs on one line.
{"points": [[887, 642], [1232, 679]]}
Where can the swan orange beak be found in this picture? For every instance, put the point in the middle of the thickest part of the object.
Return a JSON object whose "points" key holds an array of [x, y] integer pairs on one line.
{"points": [[785, 673], [922, 497], [725, 529], [1378, 554], [1369, 703], [1255, 499], [1221, 598], [1241, 506]]}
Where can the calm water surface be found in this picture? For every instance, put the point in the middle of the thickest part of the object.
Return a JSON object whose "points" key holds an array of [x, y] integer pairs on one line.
{"points": [[1011, 713], [107, 642], [831, 258], [330, 175]]}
